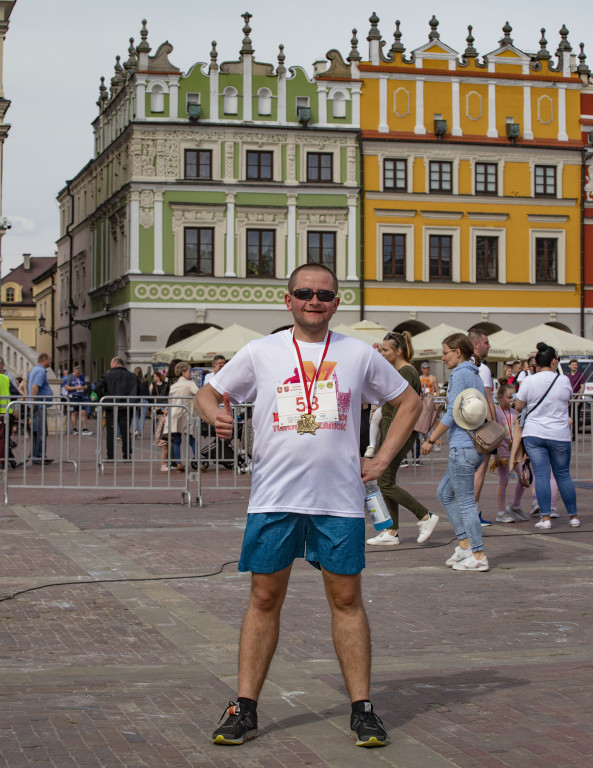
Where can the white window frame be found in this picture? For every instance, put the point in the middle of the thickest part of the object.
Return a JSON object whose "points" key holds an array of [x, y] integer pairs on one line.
{"points": [[559, 171], [499, 174], [501, 234], [249, 146], [213, 146], [560, 236], [453, 232], [336, 165], [157, 88], [397, 229], [454, 174], [339, 96]]}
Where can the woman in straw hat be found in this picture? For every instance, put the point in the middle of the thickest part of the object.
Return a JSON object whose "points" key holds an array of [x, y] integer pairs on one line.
{"points": [[466, 410]]}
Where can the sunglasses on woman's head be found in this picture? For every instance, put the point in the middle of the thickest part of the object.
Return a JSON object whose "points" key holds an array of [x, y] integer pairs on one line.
{"points": [[306, 294]]}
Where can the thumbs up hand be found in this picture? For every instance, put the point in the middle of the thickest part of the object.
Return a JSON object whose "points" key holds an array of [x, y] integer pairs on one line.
{"points": [[224, 420]]}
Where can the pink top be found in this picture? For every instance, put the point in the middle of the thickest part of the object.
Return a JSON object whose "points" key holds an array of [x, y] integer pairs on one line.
{"points": [[508, 420]]}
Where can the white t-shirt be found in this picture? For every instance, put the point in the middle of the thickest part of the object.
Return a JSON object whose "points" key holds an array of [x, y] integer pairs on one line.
{"points": [[208, 377], [310, 474], [550, 419], [485, 375]]}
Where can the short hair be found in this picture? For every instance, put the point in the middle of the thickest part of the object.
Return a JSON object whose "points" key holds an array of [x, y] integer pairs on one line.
{"points": [[77, 368], [425, 364], [181, 367], [118, 361], [43, 356], [322, 267], [216, 358], [574, 360], [475, 334]]}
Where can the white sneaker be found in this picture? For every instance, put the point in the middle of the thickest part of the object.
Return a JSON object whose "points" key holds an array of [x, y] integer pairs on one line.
{"points": [[426, 527], [543, 524], [472, 563], [370, 452], [86, 432], [554, 512], [534, 508], [458, 555], [517, 512], [385, 538], [504, 517], [574, 522]]}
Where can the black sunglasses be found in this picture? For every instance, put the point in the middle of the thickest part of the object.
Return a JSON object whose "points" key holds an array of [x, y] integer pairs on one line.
{"points": [[392, 337], [306, 294]]}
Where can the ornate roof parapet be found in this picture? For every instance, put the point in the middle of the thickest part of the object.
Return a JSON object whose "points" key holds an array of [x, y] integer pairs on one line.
{"points": [[143, 48], [132, 63], [246, 48], [337, 66], [582, 68], [470, 53], [374, 39], [433, 34], [506, 38], [103, 97], [543, 53], [563, 53], [160, 61], [118, 80], [397, 46], [213, 58], [281, 69], [354, 54]]}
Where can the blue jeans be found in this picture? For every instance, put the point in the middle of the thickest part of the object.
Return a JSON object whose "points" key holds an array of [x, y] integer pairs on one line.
{"points": [[456, 494], [39, 431], [140, 416], [555, 455], [176, 445]]}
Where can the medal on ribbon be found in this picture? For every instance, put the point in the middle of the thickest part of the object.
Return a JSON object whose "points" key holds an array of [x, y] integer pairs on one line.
{"points": [[307, 422]]}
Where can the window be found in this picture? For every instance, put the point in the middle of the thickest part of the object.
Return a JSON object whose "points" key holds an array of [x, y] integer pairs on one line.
{"points": [[441, 176], [395, 175], [321, 249], [545, 181], [394, 256], [546, 260], [259, 166], [10, 295], [486, 259], [198, 163], [198, 251], [320, 166], [339, 108], [264, 101], [157, 99], [486, 179], [440, 252], [261, 251], [229, 101]]}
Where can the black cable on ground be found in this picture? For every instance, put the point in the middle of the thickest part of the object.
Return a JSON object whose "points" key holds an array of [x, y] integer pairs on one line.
{"points": [[191, 576]]}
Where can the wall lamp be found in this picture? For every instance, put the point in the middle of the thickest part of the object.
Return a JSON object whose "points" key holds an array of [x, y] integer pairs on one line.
{"points": [[42, 328], [122, 314]]}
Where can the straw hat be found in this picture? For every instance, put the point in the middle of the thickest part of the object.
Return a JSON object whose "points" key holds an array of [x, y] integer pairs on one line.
{"points": [[469, 409]]}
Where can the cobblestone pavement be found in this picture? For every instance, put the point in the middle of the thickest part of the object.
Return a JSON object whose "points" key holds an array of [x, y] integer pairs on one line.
{"points": [[480, 670]]}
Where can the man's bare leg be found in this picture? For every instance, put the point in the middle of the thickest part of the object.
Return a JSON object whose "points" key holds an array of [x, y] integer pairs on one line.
{"points": [[259, 633], [350, 632]]}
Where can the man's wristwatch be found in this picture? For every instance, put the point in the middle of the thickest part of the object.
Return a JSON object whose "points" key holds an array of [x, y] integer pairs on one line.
{"points": [[431, 442]]}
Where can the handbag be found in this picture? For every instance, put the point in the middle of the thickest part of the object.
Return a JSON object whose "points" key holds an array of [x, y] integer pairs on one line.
{"points": [[428, 415], [487, 437], [526, 475]]}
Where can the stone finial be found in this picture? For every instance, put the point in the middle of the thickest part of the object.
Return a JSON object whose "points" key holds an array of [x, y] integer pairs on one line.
{"points": [[118, 79], [543, 52], [374, 33], [397, 46], [132, 63], [354, 55], [213, 57], [506, 31], [103, 97], [582, 68], [434, 23], [470, 52], [246, 48], [564, 45], [144, 47], [281, 69]]}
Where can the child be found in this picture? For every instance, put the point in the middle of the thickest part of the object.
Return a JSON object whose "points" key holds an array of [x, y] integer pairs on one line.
{"points": [[507, 416]]}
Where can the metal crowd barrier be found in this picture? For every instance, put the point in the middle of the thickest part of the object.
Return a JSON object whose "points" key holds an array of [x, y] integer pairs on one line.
{"points": [[81, 461]]}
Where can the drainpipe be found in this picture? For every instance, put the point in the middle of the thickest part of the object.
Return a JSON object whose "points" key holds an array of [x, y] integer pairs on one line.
{"points": [[70, 271], [361, 203]]}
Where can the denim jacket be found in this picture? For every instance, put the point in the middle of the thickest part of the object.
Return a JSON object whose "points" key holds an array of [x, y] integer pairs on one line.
{"points": [[463, 376]]}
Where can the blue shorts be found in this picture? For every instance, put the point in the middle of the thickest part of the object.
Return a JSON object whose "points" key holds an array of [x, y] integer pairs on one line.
{"points": [[272, 541]]}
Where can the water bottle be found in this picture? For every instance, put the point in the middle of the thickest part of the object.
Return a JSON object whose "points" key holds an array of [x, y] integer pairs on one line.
{"points": [[376, 506]]}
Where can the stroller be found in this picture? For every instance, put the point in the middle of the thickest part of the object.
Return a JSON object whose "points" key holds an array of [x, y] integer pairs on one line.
{"points": [[224, 452]]}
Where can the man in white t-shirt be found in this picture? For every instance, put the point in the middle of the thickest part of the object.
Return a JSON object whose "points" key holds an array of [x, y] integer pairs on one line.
{"points": [[307, 496], [479, 338], [217, 363]]}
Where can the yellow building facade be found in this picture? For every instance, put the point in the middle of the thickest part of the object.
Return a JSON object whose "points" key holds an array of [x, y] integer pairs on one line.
{"points": [[472, 184]]}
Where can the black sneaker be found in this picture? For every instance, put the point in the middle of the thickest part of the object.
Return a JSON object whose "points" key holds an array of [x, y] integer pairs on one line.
{"points": [[239, 726], [367, 727]]}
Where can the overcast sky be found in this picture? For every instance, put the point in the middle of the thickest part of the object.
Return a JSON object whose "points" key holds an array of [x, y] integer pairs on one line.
{"points": [[56, 51]]}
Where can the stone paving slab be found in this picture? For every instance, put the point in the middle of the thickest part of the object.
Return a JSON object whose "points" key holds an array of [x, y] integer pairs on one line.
{"points": [[470, 670]]}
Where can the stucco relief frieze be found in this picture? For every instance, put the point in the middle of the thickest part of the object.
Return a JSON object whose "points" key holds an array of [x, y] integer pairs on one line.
{"points": [[148, 154], [146, 208], [337, 220], [261, 217], [291, 163], [589, 184]]}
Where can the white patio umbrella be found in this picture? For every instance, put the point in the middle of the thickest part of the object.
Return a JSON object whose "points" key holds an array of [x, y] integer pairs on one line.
{"points": [[227, 342], [428, 345], [365, 330], [180, 348], [500, 345], [566, 344]]}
